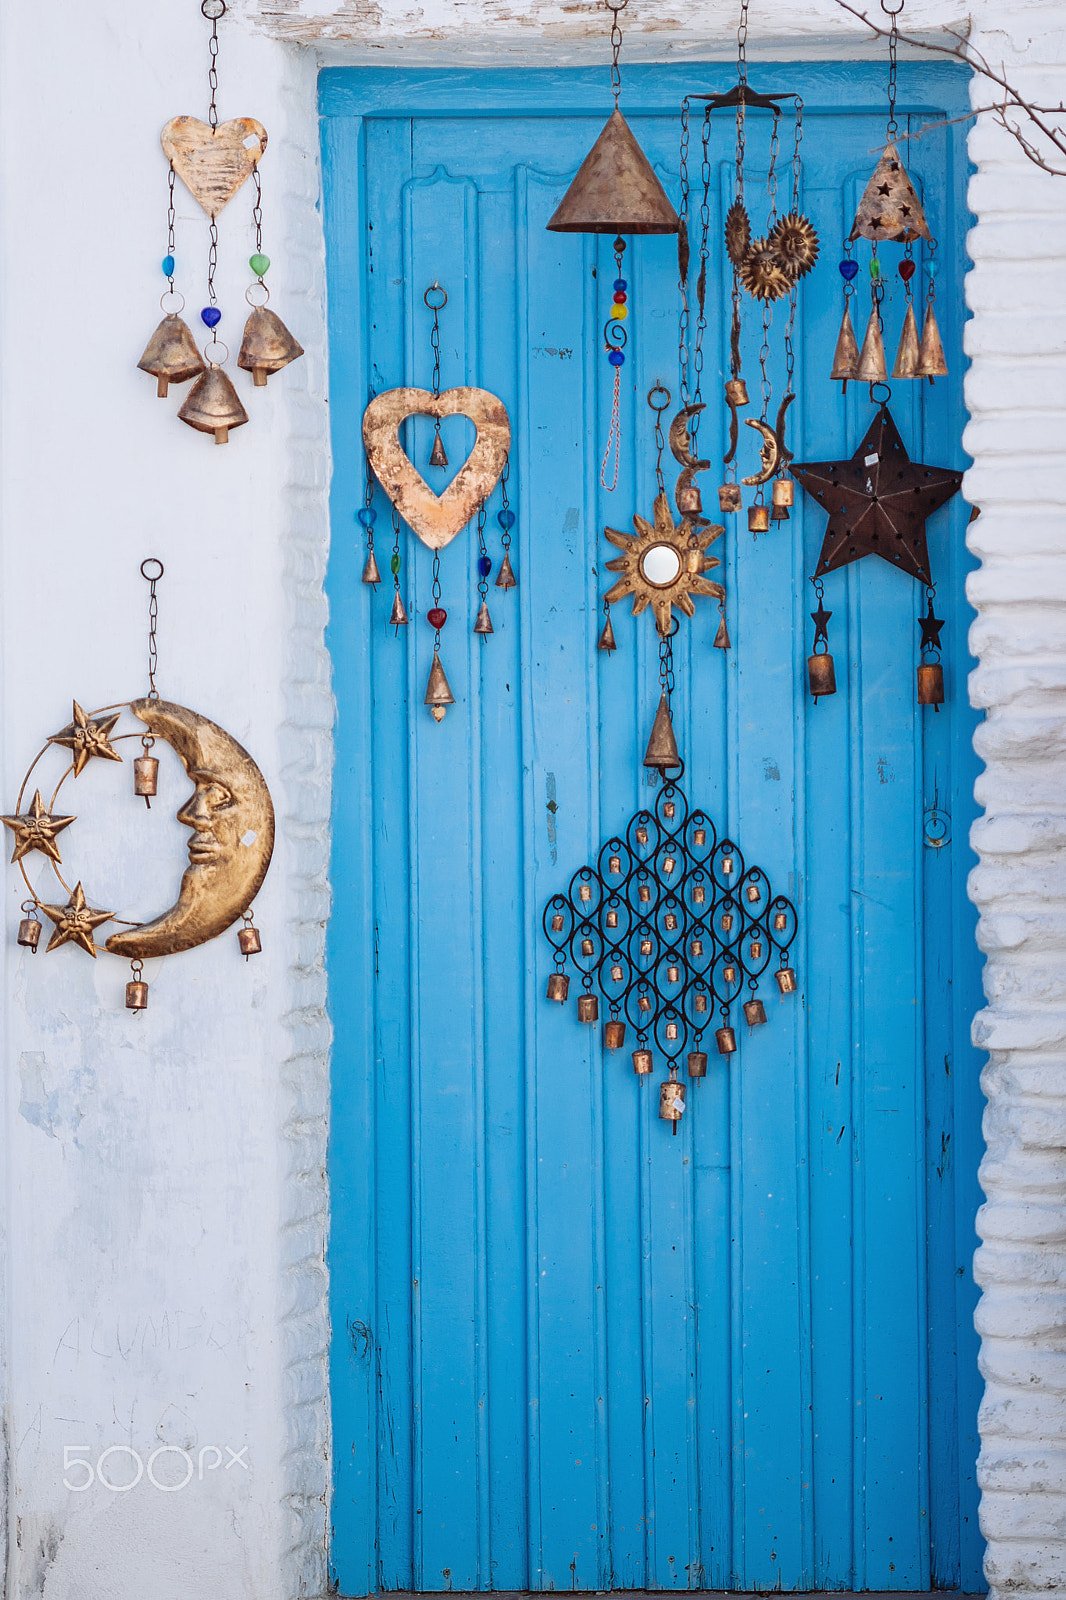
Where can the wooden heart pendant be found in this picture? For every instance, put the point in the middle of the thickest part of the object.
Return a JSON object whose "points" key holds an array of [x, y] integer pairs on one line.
{"points": [[212, 163], [436, 518]]}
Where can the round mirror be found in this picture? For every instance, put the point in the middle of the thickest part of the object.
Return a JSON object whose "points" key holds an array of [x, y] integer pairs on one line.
{"points": [[661, 565]]}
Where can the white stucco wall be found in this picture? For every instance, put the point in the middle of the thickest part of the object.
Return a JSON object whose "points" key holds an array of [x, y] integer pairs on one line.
{"points": [[164, 1200]]}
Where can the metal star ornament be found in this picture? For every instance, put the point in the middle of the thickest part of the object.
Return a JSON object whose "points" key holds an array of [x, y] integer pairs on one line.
{"points": [[74, 922], [878, 501], [36, 829], [820, 618], [931, 626], [86, 737]]}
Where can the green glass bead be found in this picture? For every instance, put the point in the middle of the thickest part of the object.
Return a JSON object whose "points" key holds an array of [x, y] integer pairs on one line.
{"points": [[395, 564], [875, 267], [259, 265]]}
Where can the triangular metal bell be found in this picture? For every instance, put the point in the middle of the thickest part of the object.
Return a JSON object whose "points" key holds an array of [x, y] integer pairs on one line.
{"points": [[871, 368], [438, 690], [505, 578], [907, 356], [846, 354], [267, 346], [662, 746], [484, 621], [438, 456], [890, 208], [615, 190], [370, 569], [931, 360], [721, 638], [779, 513], [212, 405], [171, 354], [606, 639], [398, 619]]}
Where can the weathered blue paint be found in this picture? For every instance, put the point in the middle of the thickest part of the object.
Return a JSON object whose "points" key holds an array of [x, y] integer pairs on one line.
{"points": [[571, 1351]]}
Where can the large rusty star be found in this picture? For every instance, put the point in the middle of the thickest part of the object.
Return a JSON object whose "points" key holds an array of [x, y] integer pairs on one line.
{"points": [[687, 542], [878, 501], [36, 829], [86, 737], [74, 922]]}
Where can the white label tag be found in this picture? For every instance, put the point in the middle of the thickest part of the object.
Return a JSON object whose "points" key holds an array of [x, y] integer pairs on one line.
{"points": [[871, 461]]}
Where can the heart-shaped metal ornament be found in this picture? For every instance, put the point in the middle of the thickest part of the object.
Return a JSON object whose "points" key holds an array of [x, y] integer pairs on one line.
{"points": [[436, 518], [212, 163]]}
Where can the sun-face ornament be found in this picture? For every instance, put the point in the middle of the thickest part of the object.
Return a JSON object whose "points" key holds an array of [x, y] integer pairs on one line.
{"points": [[663, 564]]}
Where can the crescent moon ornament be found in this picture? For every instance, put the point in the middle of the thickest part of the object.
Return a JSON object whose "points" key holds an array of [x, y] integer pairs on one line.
{"points": [[768, 452], [687, 497]]}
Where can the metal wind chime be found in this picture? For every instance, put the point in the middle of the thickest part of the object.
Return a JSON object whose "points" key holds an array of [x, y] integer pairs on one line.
{"points": [[438, 518], [214, 160]]}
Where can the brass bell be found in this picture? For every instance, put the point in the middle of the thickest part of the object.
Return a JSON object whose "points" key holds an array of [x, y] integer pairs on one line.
{"points": [[672, 1101], [699, 894], [668, 865], [729, 974], [557, 922], [370, 568], [697, 1063], [755, 949], [784, 492], [212, 405], [585, 891], [137, 996], [786, 980], [670, 921], [248, 941], [484, 621], [614, 864], [758, 519], [690, 503], [145, 777], [695, 949], [699, 837], [614, 1035], [616, 190], [438, 691], [505, 578], [29, 934], [931, 684], [645, 947], [611, 919], [846, 355], [780, 921], [171, 355], [398, 618], [642, 1062], [588, 1008], [821, 675], [669, 809], [931, 361], [671, 1030], [558, 987], [587, 947], [778, 513], [438, 456], [871, 367], [672, 974], [727, 921], [729, 497], [644, 893], [726, 1041], [642, 835], [700, 1002], [908, 354], [754, 1013], [727, 865], [644, 1003], [736, 392], [607, 640], [662, 746], [616, 974], [267, 346], [721, 638], [752, 892]]}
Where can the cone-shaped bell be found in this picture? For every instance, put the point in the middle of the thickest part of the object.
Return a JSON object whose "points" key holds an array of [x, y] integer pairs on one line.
{"points": [[438, 456], [438, 691], [871, 368], [662, 746], [606, 640], [370, 569], [907, 355], [398, 619], [505, 578], [171, 355], [890, 208], [267, 346], [615, 190], [931, 362], [721, 638], [484, 621], [846, 354], [212, 406]]}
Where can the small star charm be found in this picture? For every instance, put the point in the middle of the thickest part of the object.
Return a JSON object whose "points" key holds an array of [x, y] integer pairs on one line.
{"points": [[820, 618], [36, 829], [931, 627], [74, 922], [878, 501], [87, 737]]}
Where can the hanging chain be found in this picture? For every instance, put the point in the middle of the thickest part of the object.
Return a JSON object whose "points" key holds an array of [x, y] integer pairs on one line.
{"points": [[820, 634], [505, 516], [615, 339], [684, 318], [434, 337], [666, 661], [152, 570], [484, 565], [436, 595], [742, 52], [213, 10], [892, 126], [257, 210], [614, 7], [171, 218], [368, 516], [701, 281], [659, 406], [212, 261]]}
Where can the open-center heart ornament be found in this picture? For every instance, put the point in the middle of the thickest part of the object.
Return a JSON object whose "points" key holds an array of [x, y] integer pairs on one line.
{"points": [[436, 518], [213, 163]]}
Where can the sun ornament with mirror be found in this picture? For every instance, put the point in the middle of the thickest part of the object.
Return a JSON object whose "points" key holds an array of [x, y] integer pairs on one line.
{"points": [[229, 812]]}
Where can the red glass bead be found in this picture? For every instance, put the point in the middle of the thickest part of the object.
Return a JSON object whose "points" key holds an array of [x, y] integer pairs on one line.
{"points": [[620, 298], [906, 269], [436, 617]]}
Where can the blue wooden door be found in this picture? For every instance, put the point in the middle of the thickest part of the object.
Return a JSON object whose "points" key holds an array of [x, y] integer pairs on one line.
{"points": [[570, 1351]]}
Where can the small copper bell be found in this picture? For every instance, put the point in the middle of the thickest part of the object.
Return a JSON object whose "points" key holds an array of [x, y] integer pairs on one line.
{"points": [[931, 361], [438, 456], [752, 892], [784, 492], [758, 519], [616, 974], [645, 947], [370, 569], [846, 355], [671, 1030], [587, 947], [212, 405], [780, 921], [614, 864], [727, 921], [729, 497], [248, 941], [267, 346], [699, 894], [588, 1008], [721, 638], [642, 835], [669, 809], [729, 974], [171, 355], [146, 777], [585, 891], [672, 974], [611, 919], [700, 1002], [642, 1063], [726, 1041], [644, 1003], [607, 640], [871, 367], [670, 922], [754, 1013], [727, 865], [736, 392], [786, 980], [438, 691], [931, 684], [557, 922], [697, 1063], [778, 513], [755, 950], [558, 987], [690, 502], [662, 746], [699, 837], [821, 675], [907, 355], [505, 578], [29, 934], [484, 621], [672, 1101], [398, 619], [695, 949], [137, 995], [614, 1035]]}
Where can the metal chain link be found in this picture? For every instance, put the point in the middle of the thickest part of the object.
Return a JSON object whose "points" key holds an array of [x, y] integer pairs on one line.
{"points": [[483, 552], [505, 505], [257, 210], [666, 661], [213, 10], [684, 318], [436, 595], [152, 577], [614, 7], [171, 219], [660, 438], [892, 126]]}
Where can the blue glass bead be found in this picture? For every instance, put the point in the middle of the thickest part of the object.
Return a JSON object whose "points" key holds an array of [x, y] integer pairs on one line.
{"points": [[620, 285], [616, 358], [211, 316], [932, 269], [849, 269], [505, 518], [484, 566], [367, 516], [168, 266]]}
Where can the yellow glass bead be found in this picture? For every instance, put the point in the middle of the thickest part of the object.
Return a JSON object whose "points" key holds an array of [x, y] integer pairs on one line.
{"points": [[619, 313]]}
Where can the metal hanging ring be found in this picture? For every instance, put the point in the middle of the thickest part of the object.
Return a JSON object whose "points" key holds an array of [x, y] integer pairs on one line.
{"points": [[216, 344], [251, 289], [892, 11], [213, 9], [880, 399], [660, 405], [152, 561], [435, 288], [172, 294]]}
